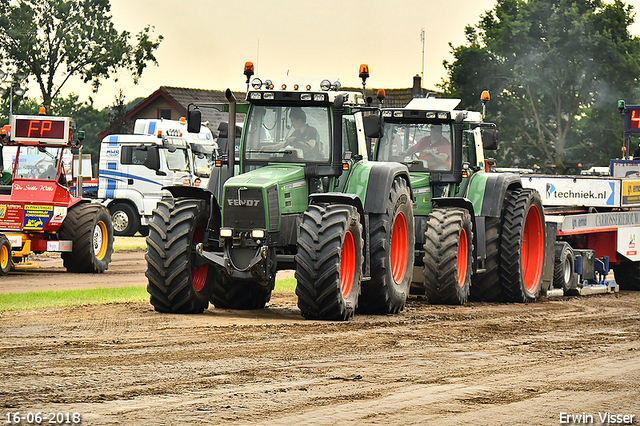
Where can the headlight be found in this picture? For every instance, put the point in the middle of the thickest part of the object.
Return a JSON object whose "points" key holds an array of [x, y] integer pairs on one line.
{"points": [[387, 113], [226, 232], [325, 85], [269, 95], [268, 84], [305, 97], [257, 233], [255, 95], [319, 97], [256, 83], [336, 86], [443, 115], [397, 113]]}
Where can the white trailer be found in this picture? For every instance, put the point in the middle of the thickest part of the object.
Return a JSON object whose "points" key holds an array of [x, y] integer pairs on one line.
{"points": [[597, 223]]}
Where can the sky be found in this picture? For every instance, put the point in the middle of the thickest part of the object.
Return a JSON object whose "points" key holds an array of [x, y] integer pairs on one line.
{"points": [[207, 42]]}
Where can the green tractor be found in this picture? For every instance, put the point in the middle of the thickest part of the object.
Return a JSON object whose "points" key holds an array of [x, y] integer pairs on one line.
{"points": [[303, 197], [478, 234]]}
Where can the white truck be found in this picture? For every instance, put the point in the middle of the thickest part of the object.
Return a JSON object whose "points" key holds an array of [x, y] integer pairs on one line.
{"points": [[134, 168]]}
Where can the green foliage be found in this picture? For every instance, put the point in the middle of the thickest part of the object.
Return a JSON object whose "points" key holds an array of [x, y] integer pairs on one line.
{"points": [[53, 40], [555, 70]]}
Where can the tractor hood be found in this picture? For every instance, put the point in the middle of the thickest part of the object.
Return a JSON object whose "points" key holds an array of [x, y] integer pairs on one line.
{"points": [[267, 176]]}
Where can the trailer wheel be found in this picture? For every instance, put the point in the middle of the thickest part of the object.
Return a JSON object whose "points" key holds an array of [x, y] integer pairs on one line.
{"points": [[627, 275], [125, 220], [563, 266], [329, 262], [5, 255], [88, 226], [241, 294], [392, 244], [486, 286], [178, 281], [448, 256], [522, 246]]}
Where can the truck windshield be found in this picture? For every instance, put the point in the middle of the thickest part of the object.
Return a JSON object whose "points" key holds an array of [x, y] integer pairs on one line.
{"points": [[421, 146], [288, 134], [202, 163], [178, 160], [37, 163]]}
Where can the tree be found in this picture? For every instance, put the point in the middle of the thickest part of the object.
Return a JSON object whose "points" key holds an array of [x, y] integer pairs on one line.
{"points": [[556, 69], [54, 40]]}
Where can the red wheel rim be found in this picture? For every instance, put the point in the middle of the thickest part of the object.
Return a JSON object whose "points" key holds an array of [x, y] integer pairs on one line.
{"points": [[463, 258], [399, 248], [347, 265], [199, 274], [532, 249]]}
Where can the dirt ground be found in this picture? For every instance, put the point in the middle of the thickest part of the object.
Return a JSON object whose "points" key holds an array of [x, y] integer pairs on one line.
{"points": [[481, 364]]}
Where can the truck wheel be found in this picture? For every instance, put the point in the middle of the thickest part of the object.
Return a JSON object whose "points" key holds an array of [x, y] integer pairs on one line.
{"points": [[178, 283], [448, 256], [392, 252], [486, 286], [5, 255], [563, 266], [125, 220], [241, 294], [88, 226], [522, 246], [329, 262], [627, 275]]}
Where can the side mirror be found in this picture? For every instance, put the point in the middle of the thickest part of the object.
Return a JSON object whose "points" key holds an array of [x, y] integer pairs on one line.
{"points": [[153, 159], [490, 138], [373, 126], [194, 121]]}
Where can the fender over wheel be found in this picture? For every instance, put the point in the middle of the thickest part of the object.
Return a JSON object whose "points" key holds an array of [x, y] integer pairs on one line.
{"points": [[178, 281], [329, 262], [392, 244], [448, 256], [522, 246]]}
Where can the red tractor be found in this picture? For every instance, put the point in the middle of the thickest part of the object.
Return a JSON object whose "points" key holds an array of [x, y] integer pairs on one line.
{"points": [[37, 212]]}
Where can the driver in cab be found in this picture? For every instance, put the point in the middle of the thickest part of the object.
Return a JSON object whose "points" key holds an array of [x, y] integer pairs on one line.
{"points": [[303, 137], [435, 149]]}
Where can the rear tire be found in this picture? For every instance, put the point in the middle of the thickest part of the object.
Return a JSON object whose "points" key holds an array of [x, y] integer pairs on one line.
{"points": [[522, 246], [329, 262], [563, 267], [5, 255], [486, 286], [126, 221], [392, 254], [627, 275], [448, 256], [178, 282], [241, 294], [88, 226]]}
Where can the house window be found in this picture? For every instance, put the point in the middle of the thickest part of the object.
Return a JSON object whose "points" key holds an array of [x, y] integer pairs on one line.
{"points": [[164, 113]]}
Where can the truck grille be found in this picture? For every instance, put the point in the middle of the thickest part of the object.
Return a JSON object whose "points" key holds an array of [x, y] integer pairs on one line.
{"points": [[244, 208]]}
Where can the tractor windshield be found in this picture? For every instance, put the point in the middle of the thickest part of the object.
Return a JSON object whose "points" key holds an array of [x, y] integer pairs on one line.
{"points": [[288, 134], [421, 146], [38, 163]]}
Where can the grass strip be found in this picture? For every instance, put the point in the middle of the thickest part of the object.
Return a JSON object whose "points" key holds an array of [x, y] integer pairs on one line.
{"points": [[97, 296]]}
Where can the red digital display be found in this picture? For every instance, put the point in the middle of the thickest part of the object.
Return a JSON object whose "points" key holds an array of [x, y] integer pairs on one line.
{"points": [[633, 124], [40, 128]]}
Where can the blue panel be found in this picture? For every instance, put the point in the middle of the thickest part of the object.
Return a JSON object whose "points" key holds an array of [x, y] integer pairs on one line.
{"points": [[111, 193], [112, 184], [152, 128], [114, 138], [112, 165]]}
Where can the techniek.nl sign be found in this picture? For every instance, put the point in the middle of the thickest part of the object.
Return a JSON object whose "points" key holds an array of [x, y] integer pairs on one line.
{"points": [[575, 192]]}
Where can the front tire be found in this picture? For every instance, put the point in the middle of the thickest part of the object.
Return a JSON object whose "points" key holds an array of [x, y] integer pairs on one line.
{"points": [[392, 244], [178, 282], [563, 267], [329, 262], [522, 246], [88, 226], [448, 256], [5, 255], [126, 221], [627, 275]]}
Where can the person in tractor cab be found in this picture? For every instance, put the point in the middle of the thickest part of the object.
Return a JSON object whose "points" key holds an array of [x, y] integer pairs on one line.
{"points": [[435, 149], [304, 137]]}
